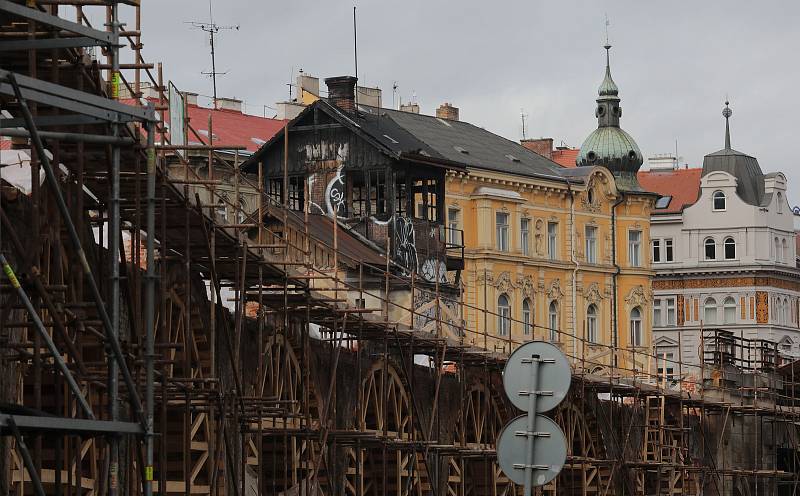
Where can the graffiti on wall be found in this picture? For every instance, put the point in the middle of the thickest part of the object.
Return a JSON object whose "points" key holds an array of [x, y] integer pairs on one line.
{"points": [[335, 193], [405, 243]]}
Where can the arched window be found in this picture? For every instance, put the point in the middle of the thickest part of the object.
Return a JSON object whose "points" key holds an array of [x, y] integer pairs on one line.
{"points": [[719, 200], [711, 249], [779, 201], [591, 323], [527, 317], [222, 210], [730, 248], [552, 320], [710, 311], [778, 255], [503, 315], [636, 327], [786, 311], [729, 310]]}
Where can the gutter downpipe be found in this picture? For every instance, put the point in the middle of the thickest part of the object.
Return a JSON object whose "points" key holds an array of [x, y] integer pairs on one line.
{"points": [[617, 270], [576, 266]]}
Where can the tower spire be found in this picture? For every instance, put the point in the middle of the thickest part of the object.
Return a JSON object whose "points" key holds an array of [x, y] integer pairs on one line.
{"points": [[727, 112]]}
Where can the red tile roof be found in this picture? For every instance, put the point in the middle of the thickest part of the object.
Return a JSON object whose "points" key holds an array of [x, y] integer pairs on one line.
{"points": [[683, 185], [5, 144], [230, 127], [565, 157]]}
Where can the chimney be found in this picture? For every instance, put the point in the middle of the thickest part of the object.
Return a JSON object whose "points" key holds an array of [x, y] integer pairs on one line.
{"points": [[542, 146], [412, 108], [342, 92], [191, 98], [229, 104], [447, 111]]}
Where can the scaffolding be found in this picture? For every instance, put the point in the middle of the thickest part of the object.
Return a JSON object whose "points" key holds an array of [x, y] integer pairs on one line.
{"points": [[152, 343]]}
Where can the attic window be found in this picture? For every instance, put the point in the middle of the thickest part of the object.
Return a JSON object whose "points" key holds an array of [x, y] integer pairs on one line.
{"points": [[390, 138], [512, 157], [444, 122], [461, 149], [258, 141], [663, 202]]}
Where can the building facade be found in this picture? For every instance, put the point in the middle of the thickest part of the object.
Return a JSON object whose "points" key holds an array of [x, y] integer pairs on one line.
{"points": [[557, 253], [723, 248]]}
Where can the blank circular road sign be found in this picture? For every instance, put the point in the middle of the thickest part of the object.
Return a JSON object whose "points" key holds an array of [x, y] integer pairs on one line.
{"points": [[555, 375], [549, 454]]}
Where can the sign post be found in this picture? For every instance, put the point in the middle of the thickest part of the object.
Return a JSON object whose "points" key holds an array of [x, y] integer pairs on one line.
{"points": [[531, 448]]}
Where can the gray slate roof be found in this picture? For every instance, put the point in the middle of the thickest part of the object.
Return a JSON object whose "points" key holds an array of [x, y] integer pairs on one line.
{"points": [[455, 141], [750, 184]]}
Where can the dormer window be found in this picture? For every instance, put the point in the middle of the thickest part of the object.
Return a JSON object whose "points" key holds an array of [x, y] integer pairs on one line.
{"points": [[719, 201]]}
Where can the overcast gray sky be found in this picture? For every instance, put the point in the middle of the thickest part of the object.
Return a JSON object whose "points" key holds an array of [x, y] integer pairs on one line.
{"points": [[674, 62]]}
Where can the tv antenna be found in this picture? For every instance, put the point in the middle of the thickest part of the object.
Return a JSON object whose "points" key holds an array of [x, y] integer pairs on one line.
{"points": [[212, 29], [394, 94], [523, 116]]}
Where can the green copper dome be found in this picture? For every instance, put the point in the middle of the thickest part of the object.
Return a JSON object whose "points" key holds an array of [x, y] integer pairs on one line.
{"points": [[609, 145]]}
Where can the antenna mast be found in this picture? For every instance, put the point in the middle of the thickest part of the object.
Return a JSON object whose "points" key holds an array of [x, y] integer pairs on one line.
{"points": [[212, 29], [523, 115], [355, 54]]}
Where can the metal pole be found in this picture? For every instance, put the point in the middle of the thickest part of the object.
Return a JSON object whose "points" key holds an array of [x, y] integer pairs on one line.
{"points": [[38, 489], [46, 337], [149, 309], [533, 393], [81, 255], [113, 248]]}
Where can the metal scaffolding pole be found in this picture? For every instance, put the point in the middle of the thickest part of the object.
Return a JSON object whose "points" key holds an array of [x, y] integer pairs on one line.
{"points": [[149, 310]]}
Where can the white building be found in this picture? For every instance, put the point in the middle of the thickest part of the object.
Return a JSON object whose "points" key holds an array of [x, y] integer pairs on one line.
{"points": [[723, 248]]}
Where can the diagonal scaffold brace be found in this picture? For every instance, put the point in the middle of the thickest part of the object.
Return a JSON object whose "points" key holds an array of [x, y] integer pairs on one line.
{"points": [[75, 239]]}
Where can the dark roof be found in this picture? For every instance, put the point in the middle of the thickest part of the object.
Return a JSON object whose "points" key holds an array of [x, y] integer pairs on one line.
{"points": [[447, 143], [458, 142], [750, 178]]}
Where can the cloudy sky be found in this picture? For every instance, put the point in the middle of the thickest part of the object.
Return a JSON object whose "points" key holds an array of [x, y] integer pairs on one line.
{"points": [[674, 62]]}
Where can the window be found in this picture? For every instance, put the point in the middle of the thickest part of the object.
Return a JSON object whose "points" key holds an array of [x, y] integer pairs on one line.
{"points": [[636, 327], [275, 191], [503, 315], [778, 255], [656, 245], [779, 202], [710, 311], [525, 236], [729, 310], [222, 210], [635, 248], [296, 200], [663, 202], [666, 365], [527, 317], [662, 250], [711, 249], [591, 244], [501, 226], [591, 323], [730, 248], [719, 200], [552, 240], [670, 311], [657, 312], [552, 321], [453, 225]]}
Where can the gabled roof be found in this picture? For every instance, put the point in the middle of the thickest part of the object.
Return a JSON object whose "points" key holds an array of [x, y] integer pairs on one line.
{"points": [[681, 185], [448, 143]]}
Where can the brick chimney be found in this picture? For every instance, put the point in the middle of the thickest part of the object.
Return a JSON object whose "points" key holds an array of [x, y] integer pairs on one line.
{"points": [[542, 146], [411, 108], [342, 92], [447, 111]]}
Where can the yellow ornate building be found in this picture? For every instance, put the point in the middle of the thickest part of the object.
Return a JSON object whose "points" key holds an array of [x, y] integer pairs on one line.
{"points": [[559, 253]]}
